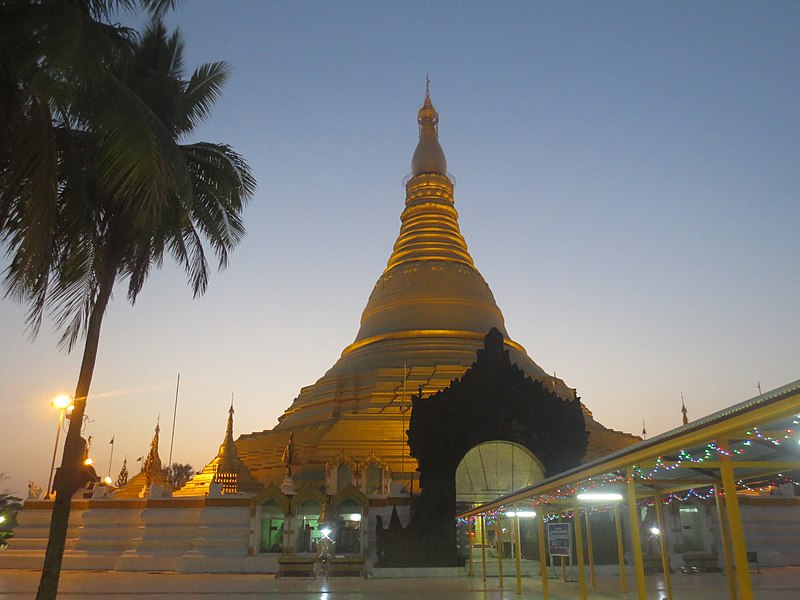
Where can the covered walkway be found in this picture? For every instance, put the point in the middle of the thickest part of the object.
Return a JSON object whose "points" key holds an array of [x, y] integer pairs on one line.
{"points": [[751, 448]]}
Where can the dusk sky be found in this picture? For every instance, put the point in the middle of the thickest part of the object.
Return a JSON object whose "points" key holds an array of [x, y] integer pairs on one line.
{"points": [[628, 183]]}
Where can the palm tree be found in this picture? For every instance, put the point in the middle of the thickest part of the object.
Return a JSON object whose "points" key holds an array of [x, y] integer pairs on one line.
{"points": [[107, 225], [53, 54]]}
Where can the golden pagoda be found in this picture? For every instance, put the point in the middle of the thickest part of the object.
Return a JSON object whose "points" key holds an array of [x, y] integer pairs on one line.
{"points": [[152, 475], [226, 470], [425, 319]]}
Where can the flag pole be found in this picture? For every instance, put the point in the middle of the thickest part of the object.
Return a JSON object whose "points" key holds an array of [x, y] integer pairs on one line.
{"points": [[174, 413], [111, 458]]}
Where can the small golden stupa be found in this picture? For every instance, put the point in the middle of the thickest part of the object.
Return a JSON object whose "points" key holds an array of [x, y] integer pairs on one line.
{"points": [[226, 469], [152, 475]]}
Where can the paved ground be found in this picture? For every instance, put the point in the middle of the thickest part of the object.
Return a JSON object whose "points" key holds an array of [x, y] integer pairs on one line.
{"points": [[770, 584]]}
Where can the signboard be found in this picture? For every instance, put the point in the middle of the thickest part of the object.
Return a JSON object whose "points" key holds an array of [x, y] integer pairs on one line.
{"points": [[559, 537]]}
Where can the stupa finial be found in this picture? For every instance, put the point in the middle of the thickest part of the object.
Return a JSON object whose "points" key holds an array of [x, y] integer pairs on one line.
{"points": [[427, 115], [152, 462], [229, 428], [429, 156], [683, 411]]}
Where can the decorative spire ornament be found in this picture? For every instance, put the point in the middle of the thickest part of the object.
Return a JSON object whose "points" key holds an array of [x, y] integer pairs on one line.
{"points": [[683, 411], [229, 428], [122, 479], [644, 431], [152, 462], [429, 156], [289, 455]]}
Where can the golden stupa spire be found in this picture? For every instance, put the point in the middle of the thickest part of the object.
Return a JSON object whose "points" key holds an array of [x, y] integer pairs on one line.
{"points": [[684, 412], [152, 462], [228, 446], [429, 156], [430, 222], [229, 428]]}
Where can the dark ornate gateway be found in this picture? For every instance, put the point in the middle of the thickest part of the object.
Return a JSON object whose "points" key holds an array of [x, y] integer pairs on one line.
{"points": [[493, 401]]}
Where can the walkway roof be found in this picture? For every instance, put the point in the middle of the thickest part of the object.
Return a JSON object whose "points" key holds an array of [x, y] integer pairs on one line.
{"points": [[761, 435]]}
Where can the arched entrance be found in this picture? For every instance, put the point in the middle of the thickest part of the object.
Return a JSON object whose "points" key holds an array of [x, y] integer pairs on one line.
{"points": [[494, 411], [495, 468]]}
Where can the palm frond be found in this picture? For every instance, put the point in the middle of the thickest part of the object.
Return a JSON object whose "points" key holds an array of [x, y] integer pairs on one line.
{"points": [[223, 185], [187, 250], [202, 91], [159, 7], [139, 158]]}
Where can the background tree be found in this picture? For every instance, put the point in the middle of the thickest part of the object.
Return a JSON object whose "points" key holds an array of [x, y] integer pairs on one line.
{"points": [[96, 186], [178, 474], [9, 505]]}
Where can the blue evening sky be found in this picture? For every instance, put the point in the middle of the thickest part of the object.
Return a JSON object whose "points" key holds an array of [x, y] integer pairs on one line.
{"points": [[628, 185]]}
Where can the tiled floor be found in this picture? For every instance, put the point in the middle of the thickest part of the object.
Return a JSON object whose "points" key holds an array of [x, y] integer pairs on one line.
{"points": [[770, 584]]}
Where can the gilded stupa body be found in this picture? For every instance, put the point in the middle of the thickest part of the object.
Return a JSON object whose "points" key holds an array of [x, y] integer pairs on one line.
{"points": [[225, 470], [425, 319]]}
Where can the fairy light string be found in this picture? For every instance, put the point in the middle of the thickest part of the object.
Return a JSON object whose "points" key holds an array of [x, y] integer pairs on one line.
{"points": [[708, 453]]}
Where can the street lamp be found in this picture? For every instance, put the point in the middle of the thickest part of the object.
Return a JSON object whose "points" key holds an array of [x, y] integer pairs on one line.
{"points": [[63, 403]]}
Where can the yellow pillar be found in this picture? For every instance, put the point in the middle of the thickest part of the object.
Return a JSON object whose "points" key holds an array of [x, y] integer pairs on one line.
{"points": [[735, 522], [725, 536], [576, 520], [592, 580], [542, 555], [471, 545], [498, 535], [623, 580], [662, 542], [483, 545], [636, 537], [518, 553]]}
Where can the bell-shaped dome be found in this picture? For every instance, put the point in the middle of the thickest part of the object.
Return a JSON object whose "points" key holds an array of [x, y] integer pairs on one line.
{"points": [[426, 318]]}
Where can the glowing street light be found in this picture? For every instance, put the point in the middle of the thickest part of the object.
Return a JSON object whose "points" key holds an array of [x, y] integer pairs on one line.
{"points": [[63, 403]]}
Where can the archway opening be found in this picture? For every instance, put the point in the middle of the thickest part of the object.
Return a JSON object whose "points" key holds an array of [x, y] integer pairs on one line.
{"points": [[495, 468]]}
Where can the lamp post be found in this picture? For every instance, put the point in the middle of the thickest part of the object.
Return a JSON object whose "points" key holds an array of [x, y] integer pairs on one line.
{"points": [[63, 403]]}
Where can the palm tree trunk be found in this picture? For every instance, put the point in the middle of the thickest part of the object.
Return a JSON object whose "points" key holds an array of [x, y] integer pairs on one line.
{"points": [[72, 475]]}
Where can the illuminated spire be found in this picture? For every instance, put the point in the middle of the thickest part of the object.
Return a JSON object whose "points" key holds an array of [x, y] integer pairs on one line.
{"points": [[429, 156], [430, 222], [228, 446], [229, 428]]}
